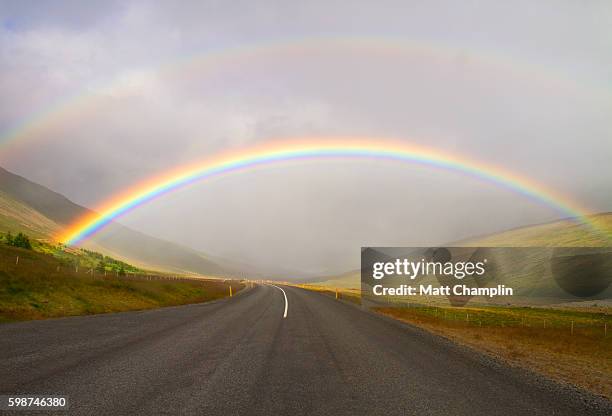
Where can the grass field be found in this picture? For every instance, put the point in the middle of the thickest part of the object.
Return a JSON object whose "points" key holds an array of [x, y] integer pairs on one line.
{"points": [[40, 286], [351, 295], [567, 345]]}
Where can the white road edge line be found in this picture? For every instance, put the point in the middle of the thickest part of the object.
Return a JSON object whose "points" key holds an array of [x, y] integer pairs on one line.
{"points": [[286, 301]]}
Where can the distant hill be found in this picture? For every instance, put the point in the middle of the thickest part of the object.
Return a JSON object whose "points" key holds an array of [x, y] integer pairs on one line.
{"points": [[564, 233], [17, 216], [38, 211]]}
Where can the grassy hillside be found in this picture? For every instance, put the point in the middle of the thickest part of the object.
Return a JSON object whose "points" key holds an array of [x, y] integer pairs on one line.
{"points": [[41, 213], [559, 234], [15, 216], [45, 285]]}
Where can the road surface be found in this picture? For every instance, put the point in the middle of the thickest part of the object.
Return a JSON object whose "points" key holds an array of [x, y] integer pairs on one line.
{"points": [[241, 356]]}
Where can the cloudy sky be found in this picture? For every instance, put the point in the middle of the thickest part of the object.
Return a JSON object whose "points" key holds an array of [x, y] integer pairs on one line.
{"points": [[121, 91]]}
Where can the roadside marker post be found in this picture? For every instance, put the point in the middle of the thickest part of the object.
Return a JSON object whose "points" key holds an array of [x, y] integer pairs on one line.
{"points": [[17, 261], [336, 293], [231, 291]]}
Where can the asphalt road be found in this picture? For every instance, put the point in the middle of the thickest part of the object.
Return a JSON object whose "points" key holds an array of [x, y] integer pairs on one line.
{"points": [[240, 356]]}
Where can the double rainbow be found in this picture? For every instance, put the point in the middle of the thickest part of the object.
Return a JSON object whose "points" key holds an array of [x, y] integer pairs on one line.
{"points": [[319, 148]]}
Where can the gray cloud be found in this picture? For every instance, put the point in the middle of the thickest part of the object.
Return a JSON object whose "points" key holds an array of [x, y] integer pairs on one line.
{"points": [[524, 86]]}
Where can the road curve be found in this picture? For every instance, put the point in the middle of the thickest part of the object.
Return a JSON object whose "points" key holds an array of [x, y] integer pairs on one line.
{"points": [[240, 356]]}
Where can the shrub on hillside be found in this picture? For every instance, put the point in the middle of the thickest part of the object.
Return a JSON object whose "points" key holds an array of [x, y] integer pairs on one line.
{"points": [[101, 267], [20, 240]]}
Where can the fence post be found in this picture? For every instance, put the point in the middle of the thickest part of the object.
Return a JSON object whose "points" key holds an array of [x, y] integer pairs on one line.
{"points": [[17, 261], [231, 291]]}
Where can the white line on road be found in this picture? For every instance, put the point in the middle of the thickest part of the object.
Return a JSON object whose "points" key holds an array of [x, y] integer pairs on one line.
{"points": [[286, 301]]}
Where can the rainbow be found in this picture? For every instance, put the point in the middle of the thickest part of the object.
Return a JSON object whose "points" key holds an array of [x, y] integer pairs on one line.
{"points": [[319, 148], [63, 113]]}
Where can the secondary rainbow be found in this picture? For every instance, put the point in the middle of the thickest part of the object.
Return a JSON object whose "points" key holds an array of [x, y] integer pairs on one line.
{"points": [[51, 120], [317, 149]]}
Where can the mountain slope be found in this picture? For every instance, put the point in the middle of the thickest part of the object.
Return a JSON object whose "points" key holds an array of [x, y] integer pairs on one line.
{"points": [[32, 208], [16, 216], [563, 233]]}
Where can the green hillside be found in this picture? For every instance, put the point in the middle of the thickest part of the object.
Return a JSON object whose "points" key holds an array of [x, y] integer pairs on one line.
{"points": [[38, 285], [41, 213]]}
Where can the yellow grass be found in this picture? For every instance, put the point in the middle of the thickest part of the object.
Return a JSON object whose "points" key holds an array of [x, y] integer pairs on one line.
{"points": [[582, 357]]}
